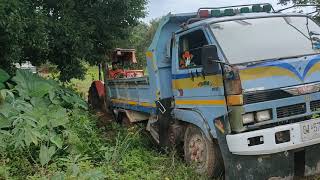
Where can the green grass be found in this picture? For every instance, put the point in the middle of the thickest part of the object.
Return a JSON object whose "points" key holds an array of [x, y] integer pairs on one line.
{"points": [[82, 86], [110, 152], [90, 152], [138, 157], [141, 158]]}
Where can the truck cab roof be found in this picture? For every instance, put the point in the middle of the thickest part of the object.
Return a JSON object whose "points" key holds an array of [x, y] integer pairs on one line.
{"points": [[177, 23], [240, 16]]}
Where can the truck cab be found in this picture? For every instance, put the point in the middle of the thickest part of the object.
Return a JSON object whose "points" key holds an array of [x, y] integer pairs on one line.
{"points": [[238, 87]]}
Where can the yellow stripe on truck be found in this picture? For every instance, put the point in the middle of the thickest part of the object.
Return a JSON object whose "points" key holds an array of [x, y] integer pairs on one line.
{"points": [[200, 102], [178, 102], [134, 103], [265, 72], [198, 82]]}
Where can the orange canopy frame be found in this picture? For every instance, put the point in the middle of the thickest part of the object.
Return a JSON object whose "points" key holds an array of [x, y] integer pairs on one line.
{"points": [[122, 55]]}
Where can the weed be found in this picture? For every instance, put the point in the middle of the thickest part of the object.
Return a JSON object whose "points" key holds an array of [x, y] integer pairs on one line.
{"points": [[46, 132]]}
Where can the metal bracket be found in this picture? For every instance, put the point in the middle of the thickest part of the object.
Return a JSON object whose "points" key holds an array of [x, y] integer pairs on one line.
{"points": [[162, 109]]}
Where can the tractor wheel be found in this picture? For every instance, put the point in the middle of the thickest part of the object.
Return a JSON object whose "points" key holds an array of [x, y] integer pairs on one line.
{"points": [[202, 152], [94, 99]]}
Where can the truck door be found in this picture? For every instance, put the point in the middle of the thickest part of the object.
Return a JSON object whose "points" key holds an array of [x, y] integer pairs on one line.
{"points": [[191, 86]]}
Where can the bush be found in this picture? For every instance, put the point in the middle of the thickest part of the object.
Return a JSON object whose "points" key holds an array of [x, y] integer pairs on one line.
{"points": [[46, 131]]}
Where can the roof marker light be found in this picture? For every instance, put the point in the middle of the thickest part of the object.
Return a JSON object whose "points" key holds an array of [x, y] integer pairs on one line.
{"points": [[256, 8], [216, 13], [267, 8], [229, 12], [204, 13], [245, 10]]}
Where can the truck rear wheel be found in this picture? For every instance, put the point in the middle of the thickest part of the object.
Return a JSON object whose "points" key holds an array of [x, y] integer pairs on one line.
{"points": [[202, 152]]}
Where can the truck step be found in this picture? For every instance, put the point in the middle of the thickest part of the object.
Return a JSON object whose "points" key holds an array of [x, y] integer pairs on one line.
{"points": [[152, 127]]}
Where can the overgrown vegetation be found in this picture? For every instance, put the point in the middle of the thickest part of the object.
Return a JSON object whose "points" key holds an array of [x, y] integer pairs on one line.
{"points": [[64, 33], [46, 132]]}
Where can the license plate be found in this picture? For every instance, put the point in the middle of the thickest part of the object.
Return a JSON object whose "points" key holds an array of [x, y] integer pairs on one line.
{"points": [[310, 130]]}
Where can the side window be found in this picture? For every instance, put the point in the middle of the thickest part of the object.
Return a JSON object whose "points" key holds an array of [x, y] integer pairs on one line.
{"points": [[190, 49]]}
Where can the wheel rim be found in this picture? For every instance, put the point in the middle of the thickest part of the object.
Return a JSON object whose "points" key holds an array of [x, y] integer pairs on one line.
{"points": [[197, 149]]}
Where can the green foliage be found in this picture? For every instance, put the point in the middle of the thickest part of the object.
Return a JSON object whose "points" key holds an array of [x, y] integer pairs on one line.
{"points": [[64, 33], [34, 115], [49, 134], [304, 2], [285, 2], [315, 116], [300, 2], [46, 154], [30, 85], [4, 76], [140, 39], [23, 33]]}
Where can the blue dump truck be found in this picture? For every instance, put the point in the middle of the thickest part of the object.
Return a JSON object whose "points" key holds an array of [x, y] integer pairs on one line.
{"points": [[238, 88]]}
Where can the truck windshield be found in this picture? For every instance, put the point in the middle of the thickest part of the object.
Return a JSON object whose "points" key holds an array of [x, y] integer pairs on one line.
{"points": [[266, 38]]}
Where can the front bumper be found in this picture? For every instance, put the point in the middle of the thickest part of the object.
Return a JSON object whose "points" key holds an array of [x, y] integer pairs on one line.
{"points": [[238, 143]]}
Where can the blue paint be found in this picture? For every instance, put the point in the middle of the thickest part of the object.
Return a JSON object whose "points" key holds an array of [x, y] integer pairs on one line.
{"points": [[289, 66], [163, 68], [136, 108], [181, 76], [311, 63]]}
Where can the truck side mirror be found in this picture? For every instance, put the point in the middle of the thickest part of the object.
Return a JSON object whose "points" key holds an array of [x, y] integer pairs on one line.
{"points": [[210, 59]]}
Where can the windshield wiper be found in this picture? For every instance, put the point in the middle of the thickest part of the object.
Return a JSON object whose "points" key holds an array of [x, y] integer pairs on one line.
{"points": [[242, 22], [311, 33], [287, 21], [289, 57], [276, 59]]}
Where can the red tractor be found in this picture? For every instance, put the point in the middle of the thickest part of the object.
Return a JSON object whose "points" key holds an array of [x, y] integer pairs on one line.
{"points": [[119, 68]]}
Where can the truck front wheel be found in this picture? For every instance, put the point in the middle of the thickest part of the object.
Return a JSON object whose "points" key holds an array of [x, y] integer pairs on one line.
{"points": [[202, 152]]}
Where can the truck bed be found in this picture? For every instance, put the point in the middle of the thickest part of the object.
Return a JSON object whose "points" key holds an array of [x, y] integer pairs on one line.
{"points": [[131, 93]]}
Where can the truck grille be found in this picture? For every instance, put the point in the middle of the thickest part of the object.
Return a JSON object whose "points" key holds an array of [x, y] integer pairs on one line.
{"points": [[265, 96], [315, 105], [291, 110]]}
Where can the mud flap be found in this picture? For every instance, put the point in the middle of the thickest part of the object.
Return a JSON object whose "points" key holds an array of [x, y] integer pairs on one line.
{"points": [[165, 119], [312, 160], [284, 165]]}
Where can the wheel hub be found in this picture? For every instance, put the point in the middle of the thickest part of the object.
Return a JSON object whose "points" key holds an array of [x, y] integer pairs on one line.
{"points": [[197, 149]]}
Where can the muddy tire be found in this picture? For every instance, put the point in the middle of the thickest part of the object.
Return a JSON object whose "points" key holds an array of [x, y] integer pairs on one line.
{"points": [[203, 153]]}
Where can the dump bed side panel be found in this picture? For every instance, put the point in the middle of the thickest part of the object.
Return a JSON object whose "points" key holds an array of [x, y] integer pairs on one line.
{"points": [[159, 60], [131, 93], [140, 94]]}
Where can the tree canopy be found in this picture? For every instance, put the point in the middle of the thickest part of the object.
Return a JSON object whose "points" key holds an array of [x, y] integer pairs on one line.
{"points": [[65, 33], [297, 1], [140, 38]]}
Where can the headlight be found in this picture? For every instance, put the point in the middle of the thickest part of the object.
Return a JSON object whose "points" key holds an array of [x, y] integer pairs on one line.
{"points": [[248, 118], [263, 115]]}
